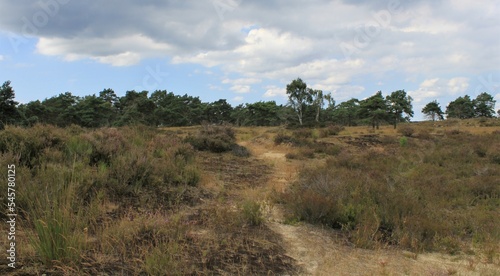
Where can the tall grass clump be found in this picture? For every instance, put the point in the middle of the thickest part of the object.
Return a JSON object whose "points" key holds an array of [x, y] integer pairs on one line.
{"points": [[252, 213], [56, 213]]}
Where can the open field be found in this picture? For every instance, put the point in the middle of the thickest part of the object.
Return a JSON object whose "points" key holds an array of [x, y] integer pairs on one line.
{"points": [[138, 201]]}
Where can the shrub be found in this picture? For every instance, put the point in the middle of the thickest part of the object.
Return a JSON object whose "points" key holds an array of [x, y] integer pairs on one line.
{"points": [[327, 148], [406, 130], [213, 138], [282, 138], [454, 131], [292, 155], [411, 198], [424, 133], [331, 130], [240, 151], [29, 144], [307, 153], [303, 133], [403, 141]]}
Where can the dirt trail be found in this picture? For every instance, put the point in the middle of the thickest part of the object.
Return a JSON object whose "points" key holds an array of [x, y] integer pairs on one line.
{"points": [[325, 252]]}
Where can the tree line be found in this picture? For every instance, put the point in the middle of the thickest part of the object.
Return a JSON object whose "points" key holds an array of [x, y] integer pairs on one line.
{"points": [[463, 108], [305, 107]]}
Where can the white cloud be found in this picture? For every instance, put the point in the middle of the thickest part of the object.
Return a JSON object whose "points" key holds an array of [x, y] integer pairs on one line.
{"points": [[237, 99], [214, 87], [241, 81], [275, 41], [273, 91], [1, 58], [122, 51], [435, 88], [429, 83], [241, 89], [458, 85]]}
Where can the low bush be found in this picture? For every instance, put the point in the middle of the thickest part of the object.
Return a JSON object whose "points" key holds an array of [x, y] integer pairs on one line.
{"points": [[240, 151], [435, 195], [282, 138], [303, 133], [214, 138], [292, 155], [424, 133], [68, 174], [406, 130], [403, 141], [331, 130]]}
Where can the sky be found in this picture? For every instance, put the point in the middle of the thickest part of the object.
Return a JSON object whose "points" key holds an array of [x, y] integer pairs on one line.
{"points": [[248, 51]]}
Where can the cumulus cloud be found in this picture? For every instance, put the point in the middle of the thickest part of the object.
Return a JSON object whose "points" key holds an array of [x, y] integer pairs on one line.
{"points": [[431, 89], [333, 45], [273, 91], [237, 99]]}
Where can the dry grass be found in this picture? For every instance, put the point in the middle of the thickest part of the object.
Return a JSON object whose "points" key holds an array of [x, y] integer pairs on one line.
{"points": [[199, 213]]}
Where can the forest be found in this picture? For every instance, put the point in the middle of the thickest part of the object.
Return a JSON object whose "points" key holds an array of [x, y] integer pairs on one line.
{"points": [[306, 106]]}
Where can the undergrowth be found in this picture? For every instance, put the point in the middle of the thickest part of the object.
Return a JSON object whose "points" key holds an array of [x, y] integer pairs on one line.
{"points": [[438, 195], [67, 176]]}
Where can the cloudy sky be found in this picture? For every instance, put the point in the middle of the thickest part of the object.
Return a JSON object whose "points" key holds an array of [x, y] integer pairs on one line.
{"points": [[247, 51]]}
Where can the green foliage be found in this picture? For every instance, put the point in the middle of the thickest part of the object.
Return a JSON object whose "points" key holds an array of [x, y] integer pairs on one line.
{"points": [[218, 112], [164, 108], [9, 113], [461, 108], [374, 108], [400, 103], [298, 97], [258, 114], [433, 111], [347, 113], [484, 105], [403, 141]]}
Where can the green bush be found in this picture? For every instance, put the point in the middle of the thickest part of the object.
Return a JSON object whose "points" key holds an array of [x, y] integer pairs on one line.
{"points": [[403, 141]]}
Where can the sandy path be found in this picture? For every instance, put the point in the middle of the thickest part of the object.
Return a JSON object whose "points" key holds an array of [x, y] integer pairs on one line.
{"points": [[324, 252]]}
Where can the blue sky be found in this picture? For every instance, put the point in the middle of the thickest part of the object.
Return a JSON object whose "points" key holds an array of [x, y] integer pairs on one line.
{"points": [[247, 51]]}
